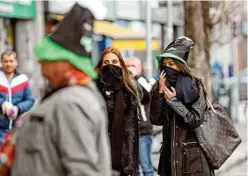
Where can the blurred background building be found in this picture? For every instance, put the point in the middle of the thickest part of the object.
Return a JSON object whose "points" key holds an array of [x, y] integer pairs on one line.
{"points": [[124, 26], [24, 22], [229, 57], [21, 26]]}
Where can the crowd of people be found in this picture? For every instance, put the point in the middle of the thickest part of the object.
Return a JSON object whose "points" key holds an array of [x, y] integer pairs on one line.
{"points": [[98, 121]]}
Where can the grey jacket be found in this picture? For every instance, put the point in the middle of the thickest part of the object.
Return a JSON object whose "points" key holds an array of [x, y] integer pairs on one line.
{"points": [[65, 135]]}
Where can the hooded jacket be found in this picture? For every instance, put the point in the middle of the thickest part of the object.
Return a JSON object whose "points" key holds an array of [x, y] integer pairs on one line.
{"points": [[16, 91]]}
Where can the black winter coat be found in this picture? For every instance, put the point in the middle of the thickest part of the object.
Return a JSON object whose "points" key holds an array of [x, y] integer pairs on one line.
{"points": [[129, 156], [181, 155]]}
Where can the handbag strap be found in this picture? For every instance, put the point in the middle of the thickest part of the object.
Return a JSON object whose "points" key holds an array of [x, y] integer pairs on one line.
{"points": [[210, 104]]}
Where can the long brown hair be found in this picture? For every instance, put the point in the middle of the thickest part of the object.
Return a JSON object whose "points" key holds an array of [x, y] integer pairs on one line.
{"points": [[127, 78], [190, 73]]}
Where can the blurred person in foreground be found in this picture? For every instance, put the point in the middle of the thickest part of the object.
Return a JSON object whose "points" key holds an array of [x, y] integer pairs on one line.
{"points": [[178, 103], [145, 127], [122, 97], [66, 133], [15, 93]]}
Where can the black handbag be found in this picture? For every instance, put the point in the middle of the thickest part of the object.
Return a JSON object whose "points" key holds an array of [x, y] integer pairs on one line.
{"points": [[217, 136]]}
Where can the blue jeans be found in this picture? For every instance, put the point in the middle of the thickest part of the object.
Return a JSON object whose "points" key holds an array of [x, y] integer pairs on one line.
{"points": [[145, 155]]}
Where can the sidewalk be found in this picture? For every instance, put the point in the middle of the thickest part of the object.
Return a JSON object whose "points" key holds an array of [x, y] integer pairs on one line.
{"points": [[236, 165]]}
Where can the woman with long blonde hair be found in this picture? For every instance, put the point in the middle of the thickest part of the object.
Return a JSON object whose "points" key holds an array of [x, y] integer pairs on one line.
{"points": [[122, 98]]}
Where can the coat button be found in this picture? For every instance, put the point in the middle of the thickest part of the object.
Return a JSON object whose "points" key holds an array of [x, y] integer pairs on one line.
{"points": [[176, 144], [177, 161], [176, 126]]}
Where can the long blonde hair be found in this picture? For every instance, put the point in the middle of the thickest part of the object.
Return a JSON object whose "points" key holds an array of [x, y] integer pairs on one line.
{"points": [[127, 78]]}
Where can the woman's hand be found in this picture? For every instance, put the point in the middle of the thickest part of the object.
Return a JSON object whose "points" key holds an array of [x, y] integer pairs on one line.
{"points": [[162, 81], [168, 94]]}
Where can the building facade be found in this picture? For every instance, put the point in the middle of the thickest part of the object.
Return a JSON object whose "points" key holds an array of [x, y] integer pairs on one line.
{"points": [[21, 26]]}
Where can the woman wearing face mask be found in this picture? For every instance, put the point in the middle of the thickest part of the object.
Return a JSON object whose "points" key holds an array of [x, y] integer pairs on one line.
{"points": [[121, 95], [178, 103]]}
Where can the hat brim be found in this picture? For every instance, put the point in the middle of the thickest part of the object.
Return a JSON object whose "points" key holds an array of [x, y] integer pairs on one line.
{"points": [[173, 57], [49, 50]]}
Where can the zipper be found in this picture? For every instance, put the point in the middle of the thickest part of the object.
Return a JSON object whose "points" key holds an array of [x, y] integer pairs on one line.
{"points": [[10, 100], [9, 97], [174, 148], [188, 143]]}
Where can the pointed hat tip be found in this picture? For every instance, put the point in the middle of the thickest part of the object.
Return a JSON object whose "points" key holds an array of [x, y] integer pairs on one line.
{"points": [[95, 6]]}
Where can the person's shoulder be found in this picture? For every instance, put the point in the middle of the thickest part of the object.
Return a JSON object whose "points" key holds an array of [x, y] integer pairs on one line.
{"points": [[199, 83], [20, 79], [86, 98], [84, 95], [21, 76], [155, 86], [2, 75]]}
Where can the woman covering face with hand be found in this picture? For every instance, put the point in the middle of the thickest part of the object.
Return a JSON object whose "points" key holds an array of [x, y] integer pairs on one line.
{"points": [[178, 104], [122, 98]]}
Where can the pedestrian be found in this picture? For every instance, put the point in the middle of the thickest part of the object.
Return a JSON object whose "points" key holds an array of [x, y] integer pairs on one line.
{"points": [[122, 97], [66, 133], [178, 103], [145, 127], [15, 94]]}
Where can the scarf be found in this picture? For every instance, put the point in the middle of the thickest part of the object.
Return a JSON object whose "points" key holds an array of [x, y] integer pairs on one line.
{"points": [[73, 76], [111, 77], [77, 77], [186, 87], [171, 76]]}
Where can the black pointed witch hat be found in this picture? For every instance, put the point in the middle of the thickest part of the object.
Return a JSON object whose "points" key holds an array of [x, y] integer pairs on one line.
{"points": [[73, 31], [71, 40], [178, 49]]}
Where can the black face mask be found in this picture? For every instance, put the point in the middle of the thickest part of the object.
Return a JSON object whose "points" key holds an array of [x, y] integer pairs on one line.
{"points": [[171, 75], [112, 76]]}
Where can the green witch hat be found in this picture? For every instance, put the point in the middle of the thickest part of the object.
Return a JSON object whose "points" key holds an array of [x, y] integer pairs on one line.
{"points": [[71, 41], [177, 50]]}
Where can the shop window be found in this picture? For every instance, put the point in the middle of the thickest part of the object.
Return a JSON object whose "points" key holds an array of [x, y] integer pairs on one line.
{"points": [[9, 34], [175, 32]]}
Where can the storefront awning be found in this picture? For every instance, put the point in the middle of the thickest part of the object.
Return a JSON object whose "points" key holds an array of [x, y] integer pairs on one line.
{"points": [[18, 9], [115, 31], [123, 37], [138, 45]]}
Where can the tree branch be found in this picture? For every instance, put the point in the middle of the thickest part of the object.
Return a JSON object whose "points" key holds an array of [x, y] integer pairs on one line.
{"points": [[219, 42], [224, 12]]}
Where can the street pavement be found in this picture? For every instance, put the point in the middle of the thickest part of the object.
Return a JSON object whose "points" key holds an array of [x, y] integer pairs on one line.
{"points": [[236, 165]]}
